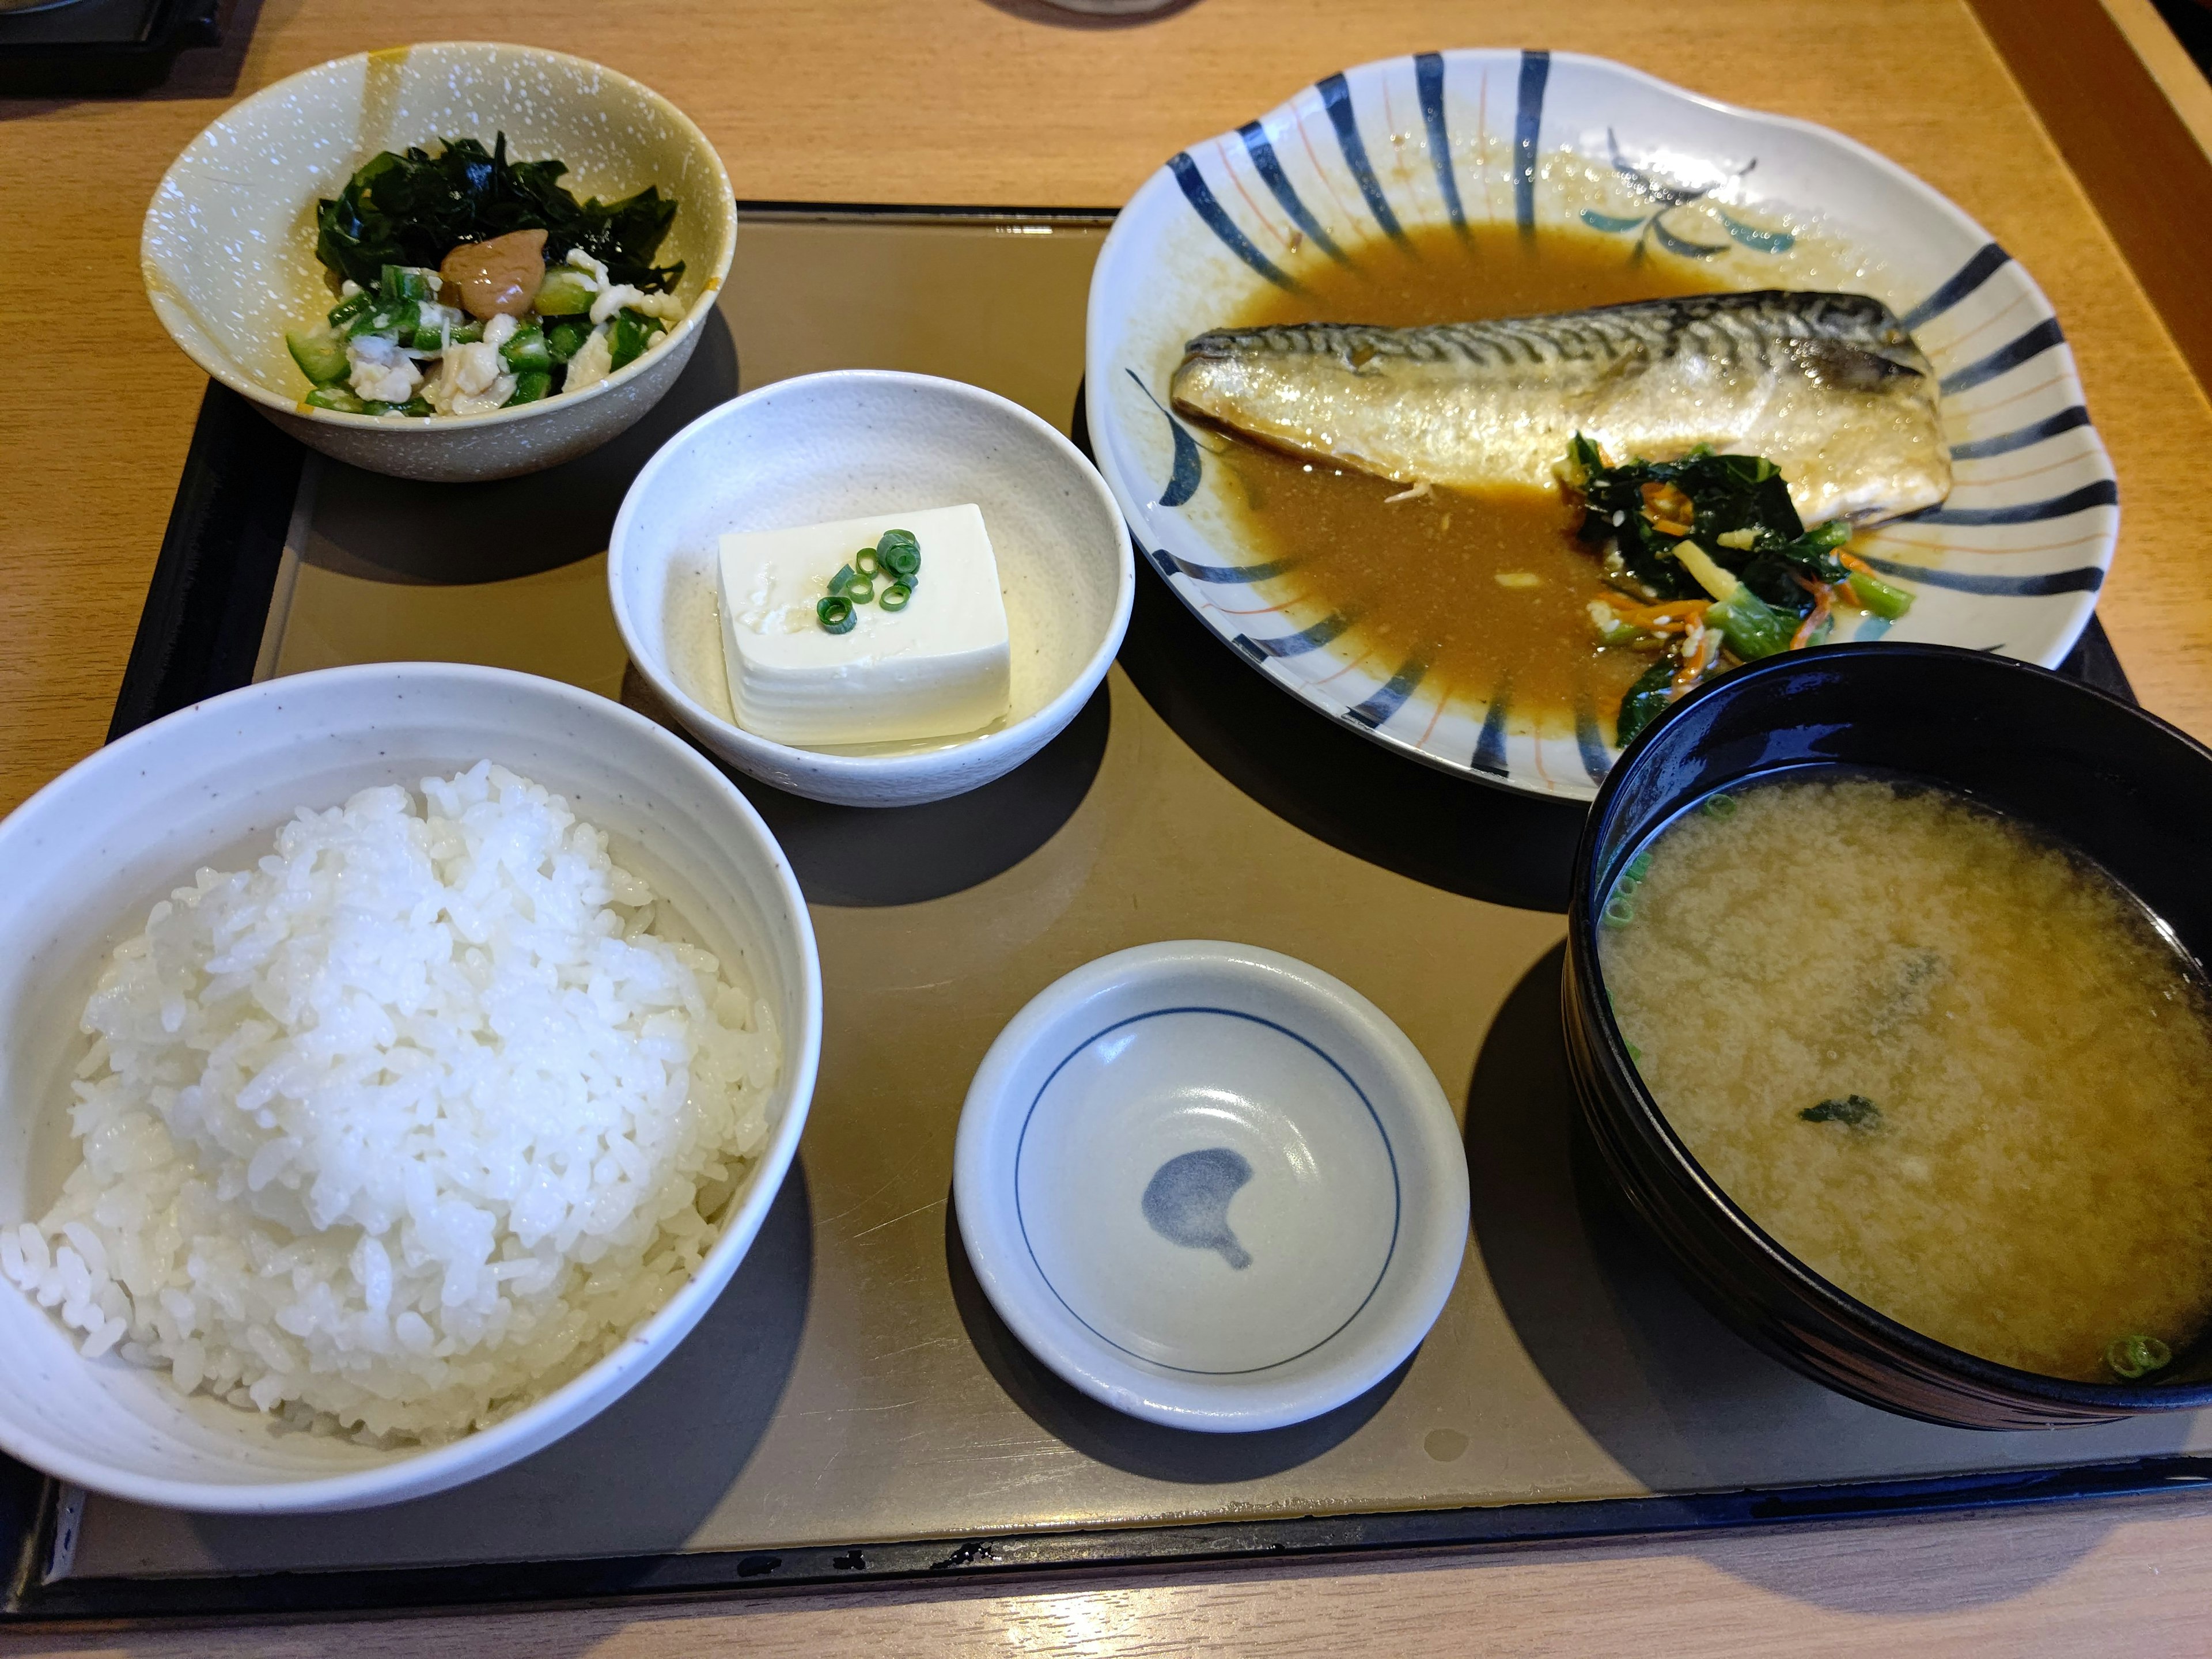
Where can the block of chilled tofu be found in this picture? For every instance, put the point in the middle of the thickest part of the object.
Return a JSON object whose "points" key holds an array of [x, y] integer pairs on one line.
{"points": [[937, 668]]}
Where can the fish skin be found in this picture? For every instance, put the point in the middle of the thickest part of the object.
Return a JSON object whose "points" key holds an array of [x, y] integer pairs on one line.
{"points": [[1830, 387]]}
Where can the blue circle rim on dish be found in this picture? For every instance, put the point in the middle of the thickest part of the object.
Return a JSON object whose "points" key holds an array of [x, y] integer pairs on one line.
{"points": [[1211, 1186]]}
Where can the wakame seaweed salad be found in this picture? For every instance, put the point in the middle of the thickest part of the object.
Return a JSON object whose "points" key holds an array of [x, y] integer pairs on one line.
{"points": [[1705, 554], [412, 209], [469, 283]]}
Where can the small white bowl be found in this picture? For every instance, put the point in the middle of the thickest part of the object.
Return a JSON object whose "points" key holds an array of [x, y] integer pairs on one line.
{"points": [[843, 445], [1211, 1186], [228, 248], [91, 853]]}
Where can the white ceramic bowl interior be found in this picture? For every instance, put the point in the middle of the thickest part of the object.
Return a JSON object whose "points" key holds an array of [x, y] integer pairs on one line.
{"points": [[228, 248], [1211, 1186], [91, 853], [842, 445], [2012, 563]]}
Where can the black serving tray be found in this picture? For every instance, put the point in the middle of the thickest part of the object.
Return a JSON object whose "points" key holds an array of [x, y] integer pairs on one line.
{"points": [[101, 48], [1550, 1267]]}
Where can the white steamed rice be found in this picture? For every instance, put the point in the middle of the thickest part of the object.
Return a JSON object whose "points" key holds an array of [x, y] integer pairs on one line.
{"points": [[404, 1127]]}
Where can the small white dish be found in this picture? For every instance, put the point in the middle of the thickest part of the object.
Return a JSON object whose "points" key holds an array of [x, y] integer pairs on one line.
{"points": [[1211, 1186], [209, 786], [845, 445]]}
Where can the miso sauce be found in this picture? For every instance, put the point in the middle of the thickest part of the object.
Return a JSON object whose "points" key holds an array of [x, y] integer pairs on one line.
{"points": [[1490, 590]]}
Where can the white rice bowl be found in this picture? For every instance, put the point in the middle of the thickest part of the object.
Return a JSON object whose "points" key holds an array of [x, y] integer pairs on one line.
{"points": [[405, 1127]]}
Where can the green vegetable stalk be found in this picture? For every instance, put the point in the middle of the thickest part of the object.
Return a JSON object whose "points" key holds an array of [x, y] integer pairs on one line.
{"points": [[1646, 700], [1753, 628]]}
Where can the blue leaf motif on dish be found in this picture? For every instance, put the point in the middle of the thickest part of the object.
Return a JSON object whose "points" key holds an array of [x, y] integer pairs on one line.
{"points": [[1183, 481], [1666, 195], [1186, 1202]]}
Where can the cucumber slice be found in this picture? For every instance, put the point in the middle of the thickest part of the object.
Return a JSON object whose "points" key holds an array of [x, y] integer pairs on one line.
{"points": [[394, 316], [407, 282], [336, 398], [564, 293], [564, 340], [320, 352], [350, 308], [526, 350], [530, 384], [631, 334]]}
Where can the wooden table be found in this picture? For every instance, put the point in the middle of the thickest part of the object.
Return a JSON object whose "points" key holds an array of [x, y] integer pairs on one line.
{"points": [[1006, 103]]}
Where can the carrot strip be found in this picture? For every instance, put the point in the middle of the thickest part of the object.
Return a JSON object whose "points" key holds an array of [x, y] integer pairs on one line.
{"points": [[1821, 600], [1669, 617]]}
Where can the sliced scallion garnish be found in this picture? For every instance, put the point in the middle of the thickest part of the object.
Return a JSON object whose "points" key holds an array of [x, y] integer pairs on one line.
{"points": [[896, 596], [835, 614], [867, 563], [844, 578]]}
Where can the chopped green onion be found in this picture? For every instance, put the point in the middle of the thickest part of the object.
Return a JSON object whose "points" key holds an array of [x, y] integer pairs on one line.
{"points": [[844, 578], [2133, 1355], [565, 339], [896, 596], [867, 563], [530, 384], [1618, 912], [901, 554], [1634, 1053], [859, 590], [1719, 806], [835, 615], [1640, 865], [337, 398]]}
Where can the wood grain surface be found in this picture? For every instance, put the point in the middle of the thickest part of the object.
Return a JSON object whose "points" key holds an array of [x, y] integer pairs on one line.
{"points": [[1008, 102]]}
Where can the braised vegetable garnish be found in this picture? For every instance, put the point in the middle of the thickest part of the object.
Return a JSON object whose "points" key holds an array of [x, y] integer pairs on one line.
{"points": [[468, 284], [1705, 559]]}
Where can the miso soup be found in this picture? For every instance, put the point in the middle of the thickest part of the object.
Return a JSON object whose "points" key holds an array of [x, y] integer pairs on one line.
{"points": [[1952, 1067]]}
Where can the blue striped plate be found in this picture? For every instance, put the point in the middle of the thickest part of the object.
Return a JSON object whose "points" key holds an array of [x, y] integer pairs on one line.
{"points": [[2011, 562]]}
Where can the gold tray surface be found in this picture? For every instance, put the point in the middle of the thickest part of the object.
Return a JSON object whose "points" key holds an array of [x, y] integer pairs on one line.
{"points": [[853, 1384]]}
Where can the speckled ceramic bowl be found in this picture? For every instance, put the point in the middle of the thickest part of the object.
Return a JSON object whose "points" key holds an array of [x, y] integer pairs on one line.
{"points": [[845, 444], [229, 251]]}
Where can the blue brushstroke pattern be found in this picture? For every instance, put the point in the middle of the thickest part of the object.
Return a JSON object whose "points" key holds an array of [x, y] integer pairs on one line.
{"points": [[2103, 493], [1970, 276], [1298, 644], [1196, 191], [1676, 245], [1279, 184], [2006, 358], [1490, 747], [1981, 449], [1590, 742], [1389, 698], [1183, 480], [1336, 98], [1527, 125], [1871, 628], [1227, 573], [1759, 241], [1428, 76], [2088, 579], [1186, 1202]]}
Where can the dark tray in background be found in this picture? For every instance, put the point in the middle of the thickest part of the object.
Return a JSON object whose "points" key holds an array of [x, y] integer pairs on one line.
{"points": [[100, 48], [1572, 1389]]}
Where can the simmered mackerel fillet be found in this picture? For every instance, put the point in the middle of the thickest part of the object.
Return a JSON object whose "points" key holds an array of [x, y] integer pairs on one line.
{"points": [[1830, 387]]}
